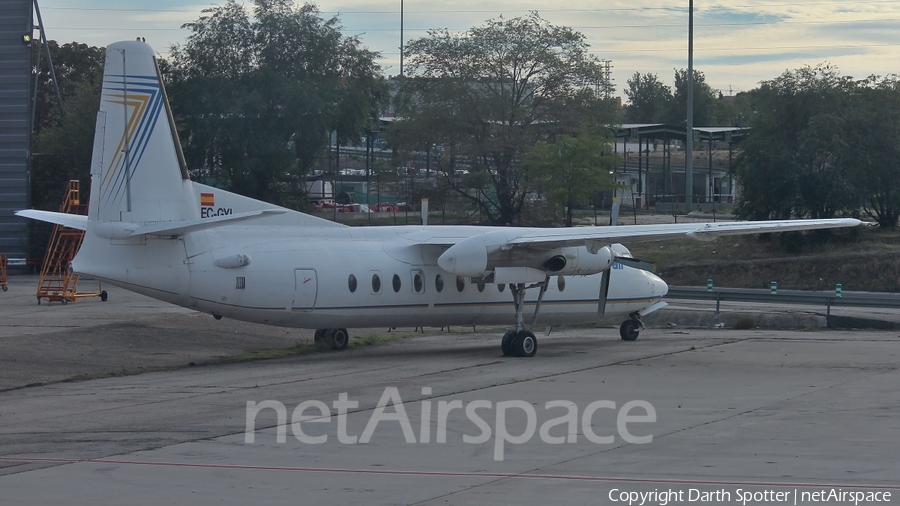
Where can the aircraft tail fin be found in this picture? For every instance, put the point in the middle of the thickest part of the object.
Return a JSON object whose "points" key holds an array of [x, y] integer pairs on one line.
{"points": [[138, 171]]}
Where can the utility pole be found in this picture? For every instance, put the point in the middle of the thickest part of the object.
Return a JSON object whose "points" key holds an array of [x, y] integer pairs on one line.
{"points": [[689, 142]]}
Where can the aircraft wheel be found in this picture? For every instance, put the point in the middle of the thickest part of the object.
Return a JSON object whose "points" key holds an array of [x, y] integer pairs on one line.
{"points": [[338, 338], [64, 301], [104, 296], [5, 288], [506, 344], [320, 337], [525, 344], [629, 330]]}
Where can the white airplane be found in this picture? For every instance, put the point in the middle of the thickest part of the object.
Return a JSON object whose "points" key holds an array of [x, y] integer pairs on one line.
{"points": [[151, 230]]}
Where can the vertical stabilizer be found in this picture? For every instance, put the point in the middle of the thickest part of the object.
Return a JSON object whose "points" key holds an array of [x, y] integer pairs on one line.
{"points": [[138, 172]]}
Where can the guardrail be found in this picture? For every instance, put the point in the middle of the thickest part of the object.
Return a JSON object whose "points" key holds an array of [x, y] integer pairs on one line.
{"points": [[801, 297]]}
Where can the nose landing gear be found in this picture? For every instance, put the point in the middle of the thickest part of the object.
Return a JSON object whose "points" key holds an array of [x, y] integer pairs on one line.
{"points": [[631, 327]]}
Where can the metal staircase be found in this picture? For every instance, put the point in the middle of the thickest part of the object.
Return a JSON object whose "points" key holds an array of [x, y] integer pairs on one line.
{"points": [[57, 283]]}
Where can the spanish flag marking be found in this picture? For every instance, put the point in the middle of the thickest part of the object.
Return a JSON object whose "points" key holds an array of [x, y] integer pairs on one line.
{"points": [[207, 199]]}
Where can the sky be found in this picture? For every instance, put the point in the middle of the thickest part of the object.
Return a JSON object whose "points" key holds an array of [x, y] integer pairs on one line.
{"points": [[736, 44]]}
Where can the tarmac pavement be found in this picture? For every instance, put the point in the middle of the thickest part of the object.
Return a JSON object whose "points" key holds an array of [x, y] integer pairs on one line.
{"points": [[730, 413]]}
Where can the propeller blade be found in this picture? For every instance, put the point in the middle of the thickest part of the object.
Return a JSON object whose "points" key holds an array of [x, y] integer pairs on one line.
{"points": [[604, 292]]}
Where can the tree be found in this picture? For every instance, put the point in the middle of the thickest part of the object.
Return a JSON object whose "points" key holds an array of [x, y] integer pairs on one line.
{"points": [[648, 98], [795, 161], [75, 64], [482, 98], [704, 100], [873, 128], [255, 97], [63, 144], [570, 169]]}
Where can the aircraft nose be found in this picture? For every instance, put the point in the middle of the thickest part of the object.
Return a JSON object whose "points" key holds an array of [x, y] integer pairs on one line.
{"points": [[660, 287]]}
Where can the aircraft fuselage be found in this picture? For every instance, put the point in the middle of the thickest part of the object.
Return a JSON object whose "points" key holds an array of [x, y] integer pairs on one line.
{"points": [[316, 277]]}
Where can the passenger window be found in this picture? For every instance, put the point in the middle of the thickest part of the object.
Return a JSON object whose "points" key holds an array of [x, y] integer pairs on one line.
{"points": [[351, 283], [439, 283], [501, 287], [396, 283], [418, 281], [481, 286], [460, 284], [376, 282], [561, 283]]}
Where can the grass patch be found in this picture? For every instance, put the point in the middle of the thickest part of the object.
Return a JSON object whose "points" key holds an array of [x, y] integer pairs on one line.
{"points": [[745, 323], [307, 347], [866, 259], [373, 339]]}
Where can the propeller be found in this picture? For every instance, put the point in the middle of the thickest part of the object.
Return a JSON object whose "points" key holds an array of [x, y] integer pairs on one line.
{"points": [[607, 275]]}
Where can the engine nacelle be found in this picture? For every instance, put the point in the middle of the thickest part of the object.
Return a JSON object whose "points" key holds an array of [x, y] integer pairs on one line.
{"points": [[579, 261], [467, 258], [478, 256]]}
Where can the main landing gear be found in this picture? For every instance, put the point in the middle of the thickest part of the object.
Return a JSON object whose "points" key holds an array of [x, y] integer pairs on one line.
{"points": [[522, 342], [336, 339], [631, 327]]}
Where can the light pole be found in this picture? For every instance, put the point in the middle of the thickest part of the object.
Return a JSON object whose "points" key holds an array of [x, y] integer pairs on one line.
{"points": [[689, 142]]}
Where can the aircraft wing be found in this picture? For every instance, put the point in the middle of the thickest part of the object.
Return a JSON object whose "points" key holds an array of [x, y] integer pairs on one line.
{"points": [[560, 237], [551, 238], [540, 249], [75, 221]]}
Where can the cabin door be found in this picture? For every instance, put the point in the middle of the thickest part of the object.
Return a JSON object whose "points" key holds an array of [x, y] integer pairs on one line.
{"points": [[305, 286]]}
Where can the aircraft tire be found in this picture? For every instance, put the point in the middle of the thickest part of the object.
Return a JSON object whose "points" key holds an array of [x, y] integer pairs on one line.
{"points": [[629, 330], [338, 338], [104, 296], [525, 344], [506, 343]]}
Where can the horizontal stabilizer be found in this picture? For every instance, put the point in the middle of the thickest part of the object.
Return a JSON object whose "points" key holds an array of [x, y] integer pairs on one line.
{"points": [[180, 227], [75, 221]]}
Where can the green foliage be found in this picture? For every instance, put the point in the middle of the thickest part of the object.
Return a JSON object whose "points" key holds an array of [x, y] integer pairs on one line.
{"points": [[872, 142], [745, 323], [63, 144], [75, 65], [479, 100], [648, 99], [822, 145], [651, 101], [568, 170], [704, 100], [255, 96]]}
